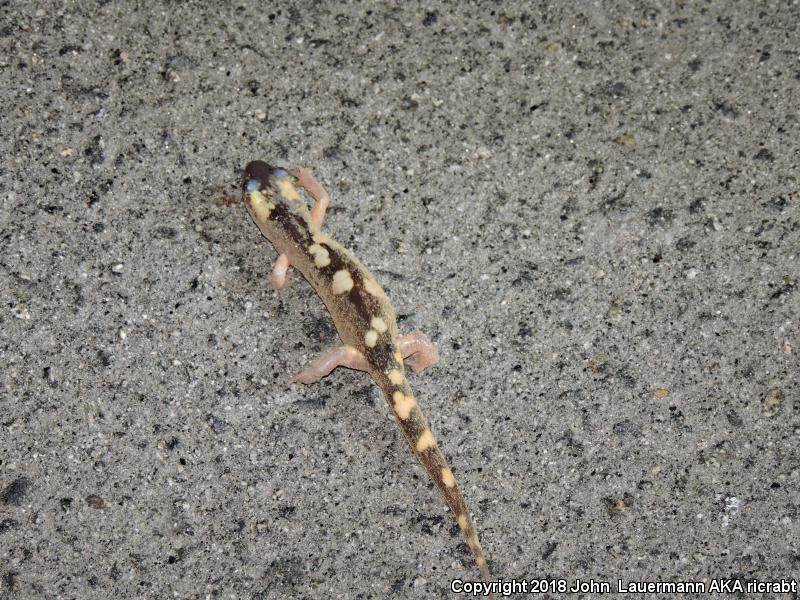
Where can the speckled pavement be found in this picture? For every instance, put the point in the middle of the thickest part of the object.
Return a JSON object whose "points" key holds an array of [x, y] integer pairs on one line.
{"points": [[593, 211]]}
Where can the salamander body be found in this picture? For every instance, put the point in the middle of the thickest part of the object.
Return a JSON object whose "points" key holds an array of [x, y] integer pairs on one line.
{"points": [[361, 311]]}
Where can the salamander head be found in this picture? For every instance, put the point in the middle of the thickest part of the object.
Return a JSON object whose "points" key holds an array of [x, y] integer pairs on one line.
{"points": [[260, 176], [263, 183]]}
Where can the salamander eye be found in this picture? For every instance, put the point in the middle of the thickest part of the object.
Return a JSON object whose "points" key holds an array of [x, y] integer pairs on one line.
{"points": [[279, 173], [251, 185]]}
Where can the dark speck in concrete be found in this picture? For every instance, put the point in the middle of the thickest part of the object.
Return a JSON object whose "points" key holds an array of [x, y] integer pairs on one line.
{"points": [[17, 492]]}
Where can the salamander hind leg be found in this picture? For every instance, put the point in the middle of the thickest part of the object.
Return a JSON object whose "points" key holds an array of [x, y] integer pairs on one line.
{"points": [[343, 356], [280, 276], [418, 351], [314, 188]]}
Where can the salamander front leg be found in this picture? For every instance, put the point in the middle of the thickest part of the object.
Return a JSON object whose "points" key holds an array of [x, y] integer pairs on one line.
{"points": [[314, 188], [280, 277], [418, 351], [343, 356]]}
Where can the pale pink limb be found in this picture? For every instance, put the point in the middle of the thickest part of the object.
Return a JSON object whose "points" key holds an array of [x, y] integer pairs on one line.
{"points": [[418, 351], [279, 278], [343, 356], [314, 188]]}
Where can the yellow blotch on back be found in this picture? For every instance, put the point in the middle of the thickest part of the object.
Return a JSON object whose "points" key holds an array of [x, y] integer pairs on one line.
{"points": [[287, 190], [342, 282], [396, 376], [425, 441], [448, 478], [463, 521], [403, 405], [321, 256], [370, 338], [261, 208]]}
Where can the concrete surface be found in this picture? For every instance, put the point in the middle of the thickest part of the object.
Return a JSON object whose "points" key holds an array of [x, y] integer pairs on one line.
{"points": [[592, 210]]}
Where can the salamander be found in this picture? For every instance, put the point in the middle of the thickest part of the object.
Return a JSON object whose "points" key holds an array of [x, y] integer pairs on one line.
{"points": [[361, 311]]}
